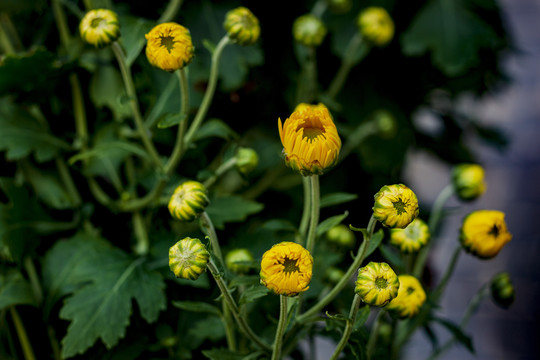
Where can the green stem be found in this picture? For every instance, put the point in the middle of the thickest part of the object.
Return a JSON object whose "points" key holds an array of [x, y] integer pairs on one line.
{"points": [[170, 11], [34, 279], [348, 327], [307, 206], [372, 341], [222, 169], [282, 324], [433, 223], [132, 95], [234, 308], [61, 23], [315, 209], [184, 111], [347, 64], [141, 234], [345, 279], [437, 293], [79, 112], [21, 333], [229, 329], [5, 42], [68, 182], [98, 193], [208, 228], [209, 94]]}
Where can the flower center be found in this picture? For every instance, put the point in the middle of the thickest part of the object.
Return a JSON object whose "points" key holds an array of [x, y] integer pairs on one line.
{"points": [[410, 290], [381, 283], [400, 206], [168, 42], [312, 128], [97, 22], [290, 265], [495, 231]]}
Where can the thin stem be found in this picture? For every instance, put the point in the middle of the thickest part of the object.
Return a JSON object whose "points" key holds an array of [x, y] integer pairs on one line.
{"points": [[34, 279], [68, 182], [79, 112], [437, 293], [170, 11], [61, 23], [307, 206], [222, 169], [433, 223], [141, 234], [132, 95], [234, 308], [209, 94], [315, 210], [184, 111], [21, 333], [208, 228], [372, 341], [282, 324], [345, 279], [348, 327], [229, 329]]}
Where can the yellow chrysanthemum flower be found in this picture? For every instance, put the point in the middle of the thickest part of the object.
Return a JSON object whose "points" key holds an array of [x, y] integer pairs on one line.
{"points": [[377, 284], [286, 268], [242, 26], [311, 143], [376, 25], [188, 201], [169, 46], [188, 258], [468, 181], [99, 27], [396, 206], [411, 296], [238, 260], [309, 30], [484, 233], [412, 238]]}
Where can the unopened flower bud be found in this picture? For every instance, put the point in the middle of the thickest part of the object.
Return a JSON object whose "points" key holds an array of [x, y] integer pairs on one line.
{"points": [[99, 27], [410, 298], [169, 46], [484, 233], [188, 201], [188, 258], [309, 30], [238, 260], [375, 25], [341, 235], [246, 160], [502, 290], [412, 238], [242, 26], [334, 275], [377, 284], [468, 181], [396, 206], [386, 123]]}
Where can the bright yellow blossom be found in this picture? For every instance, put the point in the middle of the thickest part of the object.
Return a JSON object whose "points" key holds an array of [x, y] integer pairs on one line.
{"points": [[311, 143], [484, 233], [411, 296], [286, 268], [188, 201], [188, 258], [99, 27], [169, 46], [396, 206], [412, 238], [377, 284], [375, 25]]}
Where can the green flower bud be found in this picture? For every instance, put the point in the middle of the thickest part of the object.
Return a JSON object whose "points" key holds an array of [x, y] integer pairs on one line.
{"points": [[396, 206], [246, 160], [238, 260], [468, 181], [386, 123], [340, 6], [309, 30], [188, 258], [375, 25], [341, 235], [412, 238], [242, 26], [502, 290], [99, 27], [377, 284], [334, 275], [188, 201]]}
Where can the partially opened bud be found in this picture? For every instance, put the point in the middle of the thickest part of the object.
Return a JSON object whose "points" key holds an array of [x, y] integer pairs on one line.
{"points": [[375, 25], [238, 260], [188, 201], [396, 206], [411, 296], [377, 284], [309, 30], [502, 290], [188, 258], [242, 26], [468, 181], [412, 238], [246, 160], [99, 27], [169, 46], [484, 233]]}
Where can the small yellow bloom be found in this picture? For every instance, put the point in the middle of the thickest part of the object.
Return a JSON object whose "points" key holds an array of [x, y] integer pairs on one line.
{"points": [[169, 46], [377, 284], [238, 260], [188, 201], [341, 235], [286, 268], [309, 30], [502, 290], [412, 238], [188, 258], [375, 25], [311, 143], [242, 26], [99, 27], [468, 181], [246, 160], [411, 296], [396, 206], [484, 233]]}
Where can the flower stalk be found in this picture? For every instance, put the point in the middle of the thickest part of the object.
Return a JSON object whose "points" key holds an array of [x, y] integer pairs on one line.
{"points": [[348, 327], [282, 324], [21, 333], [315, 212]]}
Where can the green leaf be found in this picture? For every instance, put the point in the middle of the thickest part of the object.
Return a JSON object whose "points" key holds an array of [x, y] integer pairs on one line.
{"points": [[101, 305], [48, 188], [133, 30], [165, 102], [453, 35], [107, 90], [253, 293], [362, 316], [169, 120], [109, 149], [223, 354], [374, 243], [197, 306], [231, 209], [391, 256], [279, 225], [329, 223], [240, 59], [336, 199], [215, 128], [23, 133], [458, 333], [15, 290], [210, 328]]}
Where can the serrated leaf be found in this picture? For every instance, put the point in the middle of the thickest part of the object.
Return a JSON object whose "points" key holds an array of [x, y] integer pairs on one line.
{"points": [[15, 290], [197, 306], [253, 293], [101, 307], [170, 120], [231, 209], [329, 223], [336, 199], [215, 128]]}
